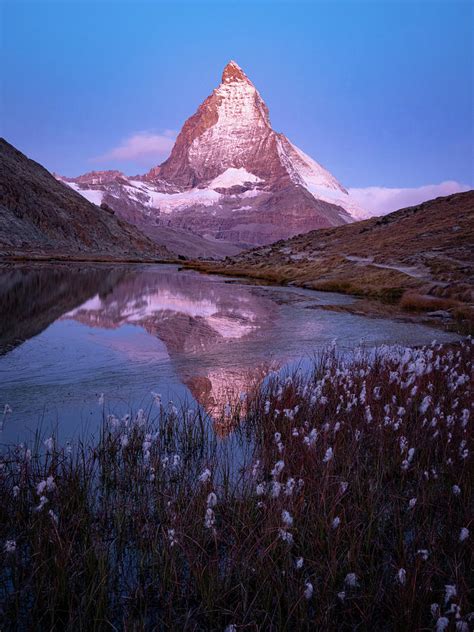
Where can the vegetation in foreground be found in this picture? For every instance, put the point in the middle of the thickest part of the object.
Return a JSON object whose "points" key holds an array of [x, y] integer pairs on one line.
{"points": [[340, 502]]}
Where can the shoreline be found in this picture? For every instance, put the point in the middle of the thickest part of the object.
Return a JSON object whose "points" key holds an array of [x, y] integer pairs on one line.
{"points": [[57, 258], [363, 305]]}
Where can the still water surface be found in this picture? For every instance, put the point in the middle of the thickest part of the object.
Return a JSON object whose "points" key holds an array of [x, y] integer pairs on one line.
{"points": [[69, 333]]}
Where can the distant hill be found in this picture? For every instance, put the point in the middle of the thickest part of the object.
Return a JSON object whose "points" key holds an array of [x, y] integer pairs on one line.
{"points": [[423, 253], [40, 216]]}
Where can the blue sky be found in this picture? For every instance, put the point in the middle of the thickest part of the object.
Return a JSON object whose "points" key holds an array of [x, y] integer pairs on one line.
{"points": [[381, 93]]}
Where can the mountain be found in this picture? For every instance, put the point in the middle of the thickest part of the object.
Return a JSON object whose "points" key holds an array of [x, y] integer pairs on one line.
{"points": [[229, 177], [422, 253], [39, 216]]}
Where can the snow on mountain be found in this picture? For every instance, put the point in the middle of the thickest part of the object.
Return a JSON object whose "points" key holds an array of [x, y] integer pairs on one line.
{"points": [[232, 177], [93, 195], [229, 176]]}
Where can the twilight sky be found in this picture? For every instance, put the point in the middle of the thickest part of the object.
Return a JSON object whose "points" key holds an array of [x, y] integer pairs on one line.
{"points": [[379, 92]]}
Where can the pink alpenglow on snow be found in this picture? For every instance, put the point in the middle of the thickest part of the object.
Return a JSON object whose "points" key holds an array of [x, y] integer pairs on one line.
{"points": [[229, 176]]}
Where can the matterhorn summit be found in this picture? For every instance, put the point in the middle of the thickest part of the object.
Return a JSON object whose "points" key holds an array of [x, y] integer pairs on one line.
{"points": [[230, 177]]}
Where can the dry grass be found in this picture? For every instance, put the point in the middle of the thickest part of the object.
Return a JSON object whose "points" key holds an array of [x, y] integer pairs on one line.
{"points": [[332, 276], [424, 303], [339, 503], [431, 244], [462, 314]]}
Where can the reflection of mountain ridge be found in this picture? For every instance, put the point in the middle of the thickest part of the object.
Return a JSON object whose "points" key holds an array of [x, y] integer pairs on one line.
{"points": [[220, 393], [200, 321], [208, 327], [188, 312], [31, 298]]}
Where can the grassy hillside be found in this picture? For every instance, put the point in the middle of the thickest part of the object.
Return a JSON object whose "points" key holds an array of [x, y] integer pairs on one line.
{"points": [[418, 257]]}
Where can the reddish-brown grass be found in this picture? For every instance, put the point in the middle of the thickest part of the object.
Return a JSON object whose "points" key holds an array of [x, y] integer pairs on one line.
{"points": [[424, 303], [375, 474]]}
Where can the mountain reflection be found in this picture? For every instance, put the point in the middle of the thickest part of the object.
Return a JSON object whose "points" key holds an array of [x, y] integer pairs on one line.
{"points": [[202, 324], [221, 393], [128, 330], [31, 298]]}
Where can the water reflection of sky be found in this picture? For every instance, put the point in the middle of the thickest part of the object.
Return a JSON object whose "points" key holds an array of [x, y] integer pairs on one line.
{"points": [[129, 331]]}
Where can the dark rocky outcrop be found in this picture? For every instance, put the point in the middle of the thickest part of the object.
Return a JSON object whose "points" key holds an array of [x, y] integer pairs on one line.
{"points": [[41, 216]]}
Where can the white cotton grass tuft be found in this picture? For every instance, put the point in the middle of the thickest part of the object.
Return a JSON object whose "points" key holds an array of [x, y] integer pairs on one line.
{"points": [[290, 486], [209, 518], [425, 404], [286, 518], [328, 456], [402, 576], [412, 503], [205, 476], [423, 553], [40, 487], [172, 537], [441, 624], [299, 562], [310, 439], [336, 522], [53, 516], [464, 534], [343, 485], [286, 536], [450, 592], [49, 444], [156, 398], [351, 580], [456, 490], [308, 590], [7, 409], [212, 500], [10, 546], [255, 468], [124, 441], [42, 502], [278, 468], [276, 489]]}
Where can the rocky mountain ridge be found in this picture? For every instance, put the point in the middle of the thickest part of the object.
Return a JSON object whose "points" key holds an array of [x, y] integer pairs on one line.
{"points": [[41, 217]]}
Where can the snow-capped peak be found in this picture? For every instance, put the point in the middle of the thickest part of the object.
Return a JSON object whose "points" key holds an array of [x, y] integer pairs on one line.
{"points": [[231, 176], [234, 73]]}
